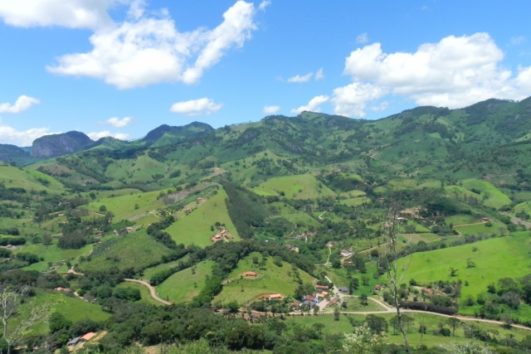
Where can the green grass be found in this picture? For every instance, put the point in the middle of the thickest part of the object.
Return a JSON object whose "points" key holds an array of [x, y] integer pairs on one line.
{"points": [[186, 284], [294, 187], [136, 250], [354, 304], [28, 179], [54, 255], [144, 292], [271, 279], [497, 228], [196, 228], [139, 170], [489, 194], [432, 322], [525, 207], [491, 258], [73, 308], [137, 207]]}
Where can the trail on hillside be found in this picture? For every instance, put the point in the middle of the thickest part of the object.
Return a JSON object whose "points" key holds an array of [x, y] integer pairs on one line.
{"points": [[152, 290]]}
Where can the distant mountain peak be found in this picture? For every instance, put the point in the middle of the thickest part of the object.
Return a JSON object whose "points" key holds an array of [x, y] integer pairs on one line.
{"points": [[185, 130], [60, 144]]}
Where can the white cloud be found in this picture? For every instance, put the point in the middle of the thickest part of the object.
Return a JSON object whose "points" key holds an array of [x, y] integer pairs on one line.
{"points": [[70, 13], [107, 134], [264, 4], [143, 51], [351, 100], [271, 110], [119, 122], [21, 104], [362, 38], [454, 72], [200, 106], [301, 79], [314, 105], [10, 135]]}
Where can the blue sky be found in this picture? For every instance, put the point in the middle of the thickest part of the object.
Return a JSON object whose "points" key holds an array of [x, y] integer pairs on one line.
{"points": [[123, 67]]}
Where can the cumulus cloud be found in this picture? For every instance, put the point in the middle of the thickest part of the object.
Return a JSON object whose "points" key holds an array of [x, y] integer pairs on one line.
{"points": [[271, 110], [264, 4], [146, 51], [351, 100], [454, 72], [21, 104], [301, 79], [196, 107], [314, 105], [72, 13], [107, 134], [362, 38], [10, 135], [119, 122]]}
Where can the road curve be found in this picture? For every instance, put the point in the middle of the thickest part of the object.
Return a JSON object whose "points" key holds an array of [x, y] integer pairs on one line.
{"points": [[152, 290]]}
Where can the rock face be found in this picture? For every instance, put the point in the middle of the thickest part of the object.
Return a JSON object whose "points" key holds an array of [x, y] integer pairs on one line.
{"points": [[60, 144]]}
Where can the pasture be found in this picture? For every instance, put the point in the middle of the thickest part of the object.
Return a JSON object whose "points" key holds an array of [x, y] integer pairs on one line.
{"points": [[198, 227], [136, 250], [183, 286], [489, 257], [271, 279], [294, 187]]}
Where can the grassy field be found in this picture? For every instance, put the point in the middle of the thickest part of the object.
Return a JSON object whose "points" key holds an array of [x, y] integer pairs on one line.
{"points": [[28, 179], [354, 304], [73, 308], [137, 207], [490, 258], [196, 228], [416, 339], [186, 284], [525, 207], [271, 279], [136, 250], [294, 187], [489, 194], [139, 170], [54, 255]]}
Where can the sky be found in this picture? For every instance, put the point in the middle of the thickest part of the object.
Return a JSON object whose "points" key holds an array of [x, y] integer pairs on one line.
{"points": [[123, 67]]}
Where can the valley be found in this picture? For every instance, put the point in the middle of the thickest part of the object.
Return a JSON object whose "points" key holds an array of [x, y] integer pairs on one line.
{"points": [[277, 234]]}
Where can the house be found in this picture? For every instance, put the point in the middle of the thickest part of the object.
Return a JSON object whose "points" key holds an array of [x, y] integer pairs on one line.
{"points": [[323, 294], [410, 213], [293, 248], [88, 336], [347, 253], [344, 290], [321, 287], [221, 235], [274, 297], [82, 339], [378, 287], [250, 274], [73, 341]]}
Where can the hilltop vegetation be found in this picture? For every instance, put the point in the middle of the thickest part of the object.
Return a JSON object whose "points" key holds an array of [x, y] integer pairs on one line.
{"points": [[298, 201]]}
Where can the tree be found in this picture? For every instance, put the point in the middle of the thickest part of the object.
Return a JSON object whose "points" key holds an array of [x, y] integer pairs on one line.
{"points": [[9, 301], [453, 322], [337, 313], [361, 340], [393, 275]]}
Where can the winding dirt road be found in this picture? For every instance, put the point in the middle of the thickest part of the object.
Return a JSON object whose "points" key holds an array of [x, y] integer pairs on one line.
{"points": [[152, 290]]}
